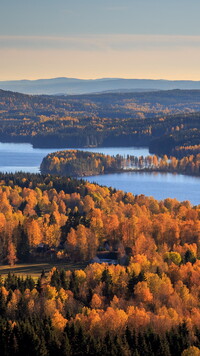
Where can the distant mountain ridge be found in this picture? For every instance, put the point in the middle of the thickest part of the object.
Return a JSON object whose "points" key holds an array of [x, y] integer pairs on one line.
{"points": [[75, 86]]}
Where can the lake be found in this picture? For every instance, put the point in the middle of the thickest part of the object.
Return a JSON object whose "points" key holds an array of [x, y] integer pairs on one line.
{"points": [[23, 157], [158, 185]]}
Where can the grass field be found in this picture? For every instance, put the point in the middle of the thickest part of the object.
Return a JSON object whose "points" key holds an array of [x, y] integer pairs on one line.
{"points": [[34, 269]]}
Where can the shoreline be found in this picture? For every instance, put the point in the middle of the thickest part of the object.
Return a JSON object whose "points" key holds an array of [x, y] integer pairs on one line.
{"points": [[121, 171]]}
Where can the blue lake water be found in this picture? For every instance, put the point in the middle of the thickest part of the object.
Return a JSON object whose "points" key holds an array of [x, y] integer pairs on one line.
{"points": [[158, 185], [23, 157]]}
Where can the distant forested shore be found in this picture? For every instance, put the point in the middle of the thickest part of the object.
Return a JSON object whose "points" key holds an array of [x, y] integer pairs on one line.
{"points": [[168, 122]]}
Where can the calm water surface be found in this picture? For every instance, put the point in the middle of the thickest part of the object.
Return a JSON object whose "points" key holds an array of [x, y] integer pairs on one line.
{"points": [[23, 157], [158, 185]]}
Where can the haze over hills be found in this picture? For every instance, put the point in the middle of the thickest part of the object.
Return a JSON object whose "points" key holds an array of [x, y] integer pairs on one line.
{"points": [[81, 86]]}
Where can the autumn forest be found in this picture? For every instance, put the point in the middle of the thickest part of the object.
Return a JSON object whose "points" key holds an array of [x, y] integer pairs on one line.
{"points": [[76, 163], [127, 275], [148, 301], [165, 121]]}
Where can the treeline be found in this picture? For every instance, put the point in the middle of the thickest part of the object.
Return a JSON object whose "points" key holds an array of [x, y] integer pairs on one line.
{"points": [[182, 151], [186, 165], [178, 141], [77, 163], [164, 121]]}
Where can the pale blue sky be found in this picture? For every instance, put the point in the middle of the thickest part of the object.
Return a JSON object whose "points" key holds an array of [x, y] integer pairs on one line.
{"points": [[100, 38]]}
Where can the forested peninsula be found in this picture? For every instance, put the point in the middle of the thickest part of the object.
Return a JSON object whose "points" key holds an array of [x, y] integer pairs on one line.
{"points": [[143, 301], [76, 163]]}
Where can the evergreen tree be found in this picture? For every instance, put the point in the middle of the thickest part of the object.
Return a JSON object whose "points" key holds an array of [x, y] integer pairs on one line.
{"points": [[107, 279], [63, 279], [65, 349]]}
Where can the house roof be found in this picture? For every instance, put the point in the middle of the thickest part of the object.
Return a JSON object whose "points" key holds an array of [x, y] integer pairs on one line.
{"points": [[107, 255]]}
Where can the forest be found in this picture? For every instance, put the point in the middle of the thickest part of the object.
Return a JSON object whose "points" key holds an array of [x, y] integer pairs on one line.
{"points": [[165, 121], [146, 304], [73, 219], [76, 163]]}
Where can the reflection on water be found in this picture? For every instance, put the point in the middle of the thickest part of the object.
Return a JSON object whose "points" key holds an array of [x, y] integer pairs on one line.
{"points": [[23, 157]]}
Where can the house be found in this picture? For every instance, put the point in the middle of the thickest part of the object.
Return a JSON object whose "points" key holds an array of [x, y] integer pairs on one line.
{"points": [[106, 257]]}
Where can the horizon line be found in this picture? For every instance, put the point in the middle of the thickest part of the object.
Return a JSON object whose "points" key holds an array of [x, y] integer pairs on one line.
{"points": [[100, 78]]}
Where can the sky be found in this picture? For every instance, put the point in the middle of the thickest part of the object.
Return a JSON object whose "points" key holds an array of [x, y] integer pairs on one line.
{"points": [[88, 39]]}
